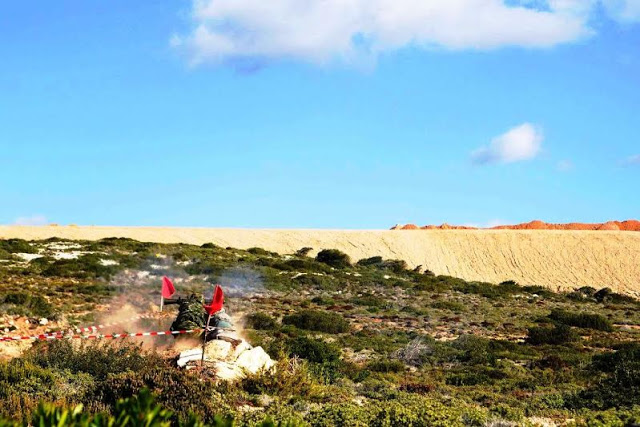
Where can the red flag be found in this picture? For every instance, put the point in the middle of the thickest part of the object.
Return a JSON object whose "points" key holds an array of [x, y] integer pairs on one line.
{"points": [[167, 287], [216, 302]]}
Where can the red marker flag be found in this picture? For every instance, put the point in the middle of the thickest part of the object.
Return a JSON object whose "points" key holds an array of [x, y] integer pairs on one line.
{"points": [[167, 287], [216, 302]]}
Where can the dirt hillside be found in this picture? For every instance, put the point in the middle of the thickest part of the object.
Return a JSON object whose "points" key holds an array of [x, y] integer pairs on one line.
{"points": [[553, 258]]}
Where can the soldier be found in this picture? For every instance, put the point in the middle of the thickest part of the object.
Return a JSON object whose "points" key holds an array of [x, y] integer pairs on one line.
{"points": [[192, 315]]}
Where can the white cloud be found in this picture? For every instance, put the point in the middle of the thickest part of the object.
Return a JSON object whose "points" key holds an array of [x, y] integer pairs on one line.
{"points": [[495, 223], [322, 31], [626, 11], [489, 224], [565, 166], [632, 160], [31, 220], [520, 143]]}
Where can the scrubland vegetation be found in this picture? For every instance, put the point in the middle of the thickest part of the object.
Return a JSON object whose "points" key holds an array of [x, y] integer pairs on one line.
{"points": [[358, 342]]}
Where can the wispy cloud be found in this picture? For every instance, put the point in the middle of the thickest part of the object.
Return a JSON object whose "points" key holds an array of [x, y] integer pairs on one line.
{"points": [[627, 11], [632, 160], [31, 220], [520, 143], [565, 166], [489, 224], [322, 31], [495, 223]]}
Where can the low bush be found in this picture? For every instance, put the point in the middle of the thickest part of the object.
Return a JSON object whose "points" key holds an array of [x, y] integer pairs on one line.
{"points": [[407, 410], [17, 246], [83, 267], [320, 321], [307, 265], [334, 258], [376, 260], [557, 335], [606, 295], [303, 252], [454, 306], [398, 266], [31, 305], [621, 385], [386, 366], [314, 350], [261, 321], [261, 252], [582, 320], [94, 358], [210, 246]]}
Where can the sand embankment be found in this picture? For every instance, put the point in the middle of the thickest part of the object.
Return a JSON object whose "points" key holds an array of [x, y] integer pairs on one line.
{"points": [[557, 259]]}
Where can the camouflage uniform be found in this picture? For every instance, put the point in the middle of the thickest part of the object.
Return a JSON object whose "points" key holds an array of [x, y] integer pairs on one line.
{"points": [[191, 315]]}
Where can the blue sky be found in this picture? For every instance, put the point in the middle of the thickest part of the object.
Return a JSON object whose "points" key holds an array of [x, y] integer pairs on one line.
{"points": [[228, 113]]}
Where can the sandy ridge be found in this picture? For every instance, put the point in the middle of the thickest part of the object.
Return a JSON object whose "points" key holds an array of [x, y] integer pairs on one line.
{"points": [[553, 258]]}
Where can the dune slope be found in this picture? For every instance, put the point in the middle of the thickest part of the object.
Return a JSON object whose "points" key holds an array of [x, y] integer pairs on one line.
{"points": [[552, 258]]}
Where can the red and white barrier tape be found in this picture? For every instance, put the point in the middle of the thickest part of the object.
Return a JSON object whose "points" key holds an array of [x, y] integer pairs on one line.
{"points": [[99, 336], [103, 326]]}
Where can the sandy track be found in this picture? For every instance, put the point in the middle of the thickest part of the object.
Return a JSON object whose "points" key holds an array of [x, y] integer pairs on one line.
{"points": [[557, 259]]}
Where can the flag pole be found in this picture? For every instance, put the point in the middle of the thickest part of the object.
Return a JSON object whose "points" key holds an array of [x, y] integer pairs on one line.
{"points": [[204, 340], [161, 302]]}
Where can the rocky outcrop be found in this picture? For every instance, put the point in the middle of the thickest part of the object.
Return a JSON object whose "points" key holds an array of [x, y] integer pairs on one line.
{"points": [[629, 225]]}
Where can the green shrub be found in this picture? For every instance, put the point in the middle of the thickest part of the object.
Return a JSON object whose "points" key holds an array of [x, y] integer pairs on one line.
{"points": [[369, 300], [333, 258], [375, 260], [34, 305], [314, 350], [303, 252], [386, 366], [509, 287], [124, 243], [621, 385], [307, 265], [95, 358], [606, 295], [323, 283], [85, 266], [17, 246], [261, 252], [396, 265], [320, 321], [261, 321], [541, 291], [454, 306], [407, 410], [582, 320], [557, 335]]}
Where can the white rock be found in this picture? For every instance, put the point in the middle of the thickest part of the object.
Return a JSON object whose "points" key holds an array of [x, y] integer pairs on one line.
{"points": [[241, 348], [69, 255], [254, 360], [189, 356], [217, 350], [43, 321], [29, 257], [229, 363], [228, 371]]}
